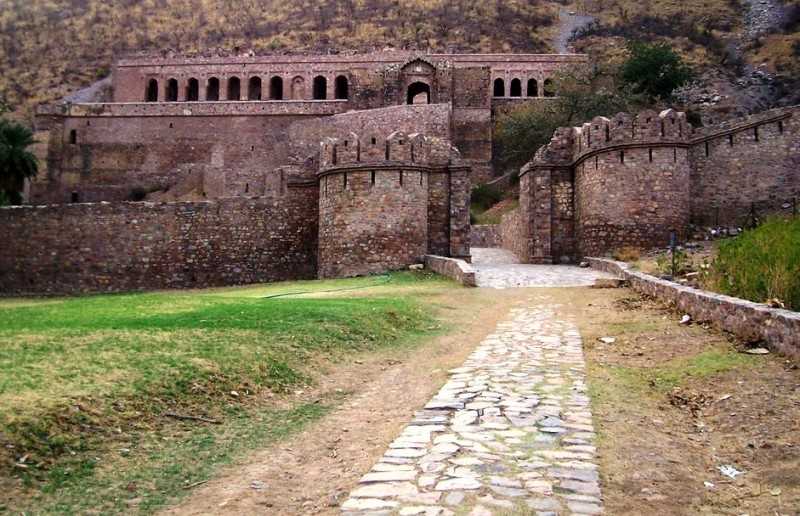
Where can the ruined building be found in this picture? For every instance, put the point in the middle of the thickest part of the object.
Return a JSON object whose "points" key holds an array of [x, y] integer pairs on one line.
{"points": [[191, 172]]}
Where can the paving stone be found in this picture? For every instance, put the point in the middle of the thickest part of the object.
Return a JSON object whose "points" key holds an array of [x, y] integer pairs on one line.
{"points": [[367, 504], [389, 476], [454, 498], [384, 490], [458, 484]]}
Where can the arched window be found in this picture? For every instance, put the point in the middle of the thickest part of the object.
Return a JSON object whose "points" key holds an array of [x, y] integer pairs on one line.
{"points": [[234, 89], [499, 88], [549, 90], [516, 88], [276, 88], [342, 88], [533, 88], [320, 88], [254, 89], [298, 88], [172, 90], [193, 90], [151, 95], [212, 89], [418, 93]]}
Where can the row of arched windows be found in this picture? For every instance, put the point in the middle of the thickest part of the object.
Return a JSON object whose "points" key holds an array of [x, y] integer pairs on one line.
{"points": [[254, 89], [515, 90]]}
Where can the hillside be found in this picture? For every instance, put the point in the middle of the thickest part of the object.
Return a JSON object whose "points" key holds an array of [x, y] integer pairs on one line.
{"points": [[49, 48]]}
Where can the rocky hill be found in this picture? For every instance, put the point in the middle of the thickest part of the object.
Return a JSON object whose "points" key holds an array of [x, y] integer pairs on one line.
{"points": [[50, 48]]}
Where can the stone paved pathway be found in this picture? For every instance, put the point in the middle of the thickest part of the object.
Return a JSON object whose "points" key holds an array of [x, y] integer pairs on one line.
{"points": [[498, 268], [510, 433]]}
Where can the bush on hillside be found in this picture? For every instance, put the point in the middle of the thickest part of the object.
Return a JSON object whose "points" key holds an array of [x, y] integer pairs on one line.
{"points": [[484, 197], [761, 264], [654, 70]]}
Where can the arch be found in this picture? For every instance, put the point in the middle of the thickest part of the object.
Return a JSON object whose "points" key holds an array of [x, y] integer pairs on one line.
{"points": [[254, 88], [418, 93], [533, 88], [341, 88], [192, 90], [276, 88], [151, 93], [320, 88], [234, 88], [172, 90], [516, 88], [499, 89], [549, 88], [212, 89], [298, 88]]}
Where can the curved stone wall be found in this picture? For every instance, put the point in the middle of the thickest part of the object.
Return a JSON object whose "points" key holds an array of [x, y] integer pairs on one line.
{"points": [[372, 220]]}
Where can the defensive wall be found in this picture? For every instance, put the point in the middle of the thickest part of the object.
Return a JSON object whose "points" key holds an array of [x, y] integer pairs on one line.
{"points": [[387, 202], [633, 180], [107, 247]]}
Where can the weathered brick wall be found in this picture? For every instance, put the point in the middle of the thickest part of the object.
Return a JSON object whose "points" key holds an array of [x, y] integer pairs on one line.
{"points": [[368, 227], [514, 234], [107, 247], [485, 235], [744, 162]]}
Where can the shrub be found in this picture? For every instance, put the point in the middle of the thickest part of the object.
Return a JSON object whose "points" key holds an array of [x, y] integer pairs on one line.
{"points": [[627, 254], [654, 70], [761, 264]]}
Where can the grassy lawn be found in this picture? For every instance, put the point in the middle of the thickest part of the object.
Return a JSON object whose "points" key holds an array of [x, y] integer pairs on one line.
{"points": [[86, 384]]}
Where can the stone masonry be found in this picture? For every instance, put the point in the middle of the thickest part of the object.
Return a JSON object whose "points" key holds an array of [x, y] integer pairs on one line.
{"points": [[510, 432]]}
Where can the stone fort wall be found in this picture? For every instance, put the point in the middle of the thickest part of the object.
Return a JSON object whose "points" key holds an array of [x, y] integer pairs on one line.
{"points": [[385, 202], [632, 180], [108, 247]]}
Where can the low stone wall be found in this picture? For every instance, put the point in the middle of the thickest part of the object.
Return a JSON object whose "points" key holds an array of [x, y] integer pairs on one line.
{"points": [[485, 235], [513, 235], [110, 247], [752, 322], [453, 268]]}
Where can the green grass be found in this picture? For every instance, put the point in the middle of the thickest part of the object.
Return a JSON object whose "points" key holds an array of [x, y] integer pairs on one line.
{"points": [[82, 378], [761, 264]]}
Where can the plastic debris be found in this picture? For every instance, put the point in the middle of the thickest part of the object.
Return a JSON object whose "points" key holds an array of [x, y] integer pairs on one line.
{"points": [[709, 485], [729, 471], [607, 340], [686, 319], [757, 351]]}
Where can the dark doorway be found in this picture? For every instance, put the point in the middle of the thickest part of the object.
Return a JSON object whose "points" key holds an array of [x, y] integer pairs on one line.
{"points": [[516, 88], [499, 88], [254, 89], [276, 88], [342, 88], [234, 89], [212, 90], [151, 95], [419, 93], [533, 88], [172, 90], [193, 90], [320, 88]]}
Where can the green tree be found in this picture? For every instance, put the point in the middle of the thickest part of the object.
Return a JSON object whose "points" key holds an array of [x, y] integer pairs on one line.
{"points": [[582, 94], [654, 70], [17, 162]]}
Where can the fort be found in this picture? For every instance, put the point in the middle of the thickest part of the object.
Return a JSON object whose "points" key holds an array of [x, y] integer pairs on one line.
{"points": [[204, 171]]}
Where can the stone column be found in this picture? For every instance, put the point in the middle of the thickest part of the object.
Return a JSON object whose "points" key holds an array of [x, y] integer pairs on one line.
{"points": [[459, 211]]}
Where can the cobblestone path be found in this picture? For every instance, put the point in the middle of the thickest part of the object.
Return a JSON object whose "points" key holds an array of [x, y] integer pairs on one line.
{"points": [[509, 433], [498, 268]]}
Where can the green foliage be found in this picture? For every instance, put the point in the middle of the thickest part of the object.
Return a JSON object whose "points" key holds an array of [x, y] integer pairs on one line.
{"points": [[484, 197], [761, 264], [583, 93], [682, 263], [655, 70], [17, 163]]}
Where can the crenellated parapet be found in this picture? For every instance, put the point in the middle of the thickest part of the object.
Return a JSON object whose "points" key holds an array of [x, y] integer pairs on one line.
{"points": [[415, 150]]}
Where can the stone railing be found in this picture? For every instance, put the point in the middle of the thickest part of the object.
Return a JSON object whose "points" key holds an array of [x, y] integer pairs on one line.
{"points": [[453, 268], [751, 322]]}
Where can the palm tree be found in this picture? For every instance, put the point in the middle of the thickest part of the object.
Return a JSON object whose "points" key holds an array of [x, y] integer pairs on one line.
{"points": [[17, 163]]}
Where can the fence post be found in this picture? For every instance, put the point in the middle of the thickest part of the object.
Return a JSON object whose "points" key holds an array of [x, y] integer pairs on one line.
{"points": [[672, 244]]}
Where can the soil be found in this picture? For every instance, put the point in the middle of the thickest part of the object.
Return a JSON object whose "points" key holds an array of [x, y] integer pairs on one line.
{"points": [[656, 448], [313, 472]]}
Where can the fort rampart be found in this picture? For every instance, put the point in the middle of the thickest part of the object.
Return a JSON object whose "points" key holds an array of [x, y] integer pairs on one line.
{"points": [[634, 180]]}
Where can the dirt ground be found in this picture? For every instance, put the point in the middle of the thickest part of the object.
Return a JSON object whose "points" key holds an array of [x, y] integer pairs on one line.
{"points": [[313, 472], [671, 403]]}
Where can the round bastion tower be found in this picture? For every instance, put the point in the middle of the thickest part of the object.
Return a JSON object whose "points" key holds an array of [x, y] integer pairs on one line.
{"points": [[374, 198]]}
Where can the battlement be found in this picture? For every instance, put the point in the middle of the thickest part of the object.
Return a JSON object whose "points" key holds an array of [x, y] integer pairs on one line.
{"points": [[398, 148]]}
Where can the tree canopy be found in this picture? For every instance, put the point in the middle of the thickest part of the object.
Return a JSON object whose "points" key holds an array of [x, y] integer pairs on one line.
{"points": [[654, 70], [17, 162]]}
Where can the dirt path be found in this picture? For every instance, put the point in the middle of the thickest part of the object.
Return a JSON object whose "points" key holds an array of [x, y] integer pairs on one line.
{"points": [[313, 472], [568, 22]]}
